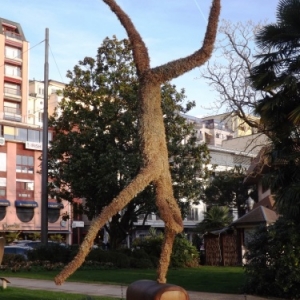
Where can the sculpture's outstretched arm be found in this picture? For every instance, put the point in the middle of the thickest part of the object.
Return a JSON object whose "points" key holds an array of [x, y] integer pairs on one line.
{"points": [[178, 67], [137, 185], [140, 52]]}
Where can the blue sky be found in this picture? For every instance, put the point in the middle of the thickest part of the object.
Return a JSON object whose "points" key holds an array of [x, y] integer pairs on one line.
{"points": [[170, 29]]}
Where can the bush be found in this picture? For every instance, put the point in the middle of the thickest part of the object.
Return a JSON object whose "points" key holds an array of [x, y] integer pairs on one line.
{"points": [[184, 254], [141, 263], [274, 261], [52, 252], [11, 259], [116, 258]]}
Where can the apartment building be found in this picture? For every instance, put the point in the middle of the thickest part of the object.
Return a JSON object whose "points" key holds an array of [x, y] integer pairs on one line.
{"points": [[21, 144]]}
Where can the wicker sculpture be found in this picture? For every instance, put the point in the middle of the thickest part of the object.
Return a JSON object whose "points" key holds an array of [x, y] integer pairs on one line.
{"points": [[152, 132]]}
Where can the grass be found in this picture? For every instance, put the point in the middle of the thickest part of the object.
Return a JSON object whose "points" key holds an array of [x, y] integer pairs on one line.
{"points": [[12, 293], [228, 280]]}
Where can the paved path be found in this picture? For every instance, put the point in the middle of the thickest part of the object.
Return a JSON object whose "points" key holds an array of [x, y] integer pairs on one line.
{"points": [[109, 290]]}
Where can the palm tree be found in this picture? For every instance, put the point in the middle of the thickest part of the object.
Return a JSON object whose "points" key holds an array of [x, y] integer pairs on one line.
{"points": [[277, 77], [217, 217]]}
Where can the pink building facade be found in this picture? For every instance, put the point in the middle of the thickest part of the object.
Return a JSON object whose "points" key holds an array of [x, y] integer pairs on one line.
{"points": [[21, 146]]}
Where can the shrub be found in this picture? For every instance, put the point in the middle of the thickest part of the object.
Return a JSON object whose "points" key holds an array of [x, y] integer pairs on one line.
{"points": [[139, 254], [184, 254], [116, 258], [141, 263], [274, 261], [11, 259], [52, 252]]}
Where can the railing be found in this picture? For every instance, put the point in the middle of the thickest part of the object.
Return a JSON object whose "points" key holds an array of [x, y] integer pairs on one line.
{"points": [[13, 73], [11, 56], [12, 114], [13, 35], [12, 110], [12, 91]]}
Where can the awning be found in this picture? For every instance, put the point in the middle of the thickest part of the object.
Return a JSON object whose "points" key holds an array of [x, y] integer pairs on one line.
{"points": [[26, 203], [4, 202], [55, 205]]}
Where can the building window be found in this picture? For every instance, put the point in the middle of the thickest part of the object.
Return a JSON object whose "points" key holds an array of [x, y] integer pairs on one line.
{"points": [[25, 210], [24, 190], [12, 107], [2, 188], [12, 111], [54, 211], [41, 91], [11, 52], [9, 132], [12, 89], [3, 162], [14, 71], [23, 134], [24, 164], [34, 136], [3, 205], [193, 214]]}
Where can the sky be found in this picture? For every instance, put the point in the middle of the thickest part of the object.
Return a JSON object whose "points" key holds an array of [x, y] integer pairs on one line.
{"points": [[170, 29]]}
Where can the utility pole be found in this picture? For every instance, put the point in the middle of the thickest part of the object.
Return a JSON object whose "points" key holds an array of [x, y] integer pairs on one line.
{"points": [[44, 202]]}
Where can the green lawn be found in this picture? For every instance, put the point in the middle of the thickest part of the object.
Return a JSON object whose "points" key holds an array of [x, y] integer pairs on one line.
{"points": [[21, 294], [204, 279]]}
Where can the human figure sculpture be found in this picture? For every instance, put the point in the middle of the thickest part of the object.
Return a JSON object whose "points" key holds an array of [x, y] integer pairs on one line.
{"points": [[155, 167]]}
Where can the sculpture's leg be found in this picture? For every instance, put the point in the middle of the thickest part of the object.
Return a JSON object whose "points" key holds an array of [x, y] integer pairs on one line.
{"points": [[137, 185], [165, 255], [171, 215]]}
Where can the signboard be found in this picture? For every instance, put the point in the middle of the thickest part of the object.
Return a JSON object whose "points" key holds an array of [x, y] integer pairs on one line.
{"points": [[14, 226], [77, 224], [34, 146]]}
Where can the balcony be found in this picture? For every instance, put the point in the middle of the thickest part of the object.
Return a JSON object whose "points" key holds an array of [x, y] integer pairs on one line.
{"points": [[12, 114], [12, 93], [13, 35], [13, 73]]}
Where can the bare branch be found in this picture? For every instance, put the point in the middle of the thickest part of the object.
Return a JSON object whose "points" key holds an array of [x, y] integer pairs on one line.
{"points": [[228, 75]]}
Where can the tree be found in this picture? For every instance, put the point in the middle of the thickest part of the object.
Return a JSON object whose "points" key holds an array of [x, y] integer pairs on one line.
{"points": [[227, 189], [229, 73], [277, 77], [95, 151], [155, 167], [217, 217], [273, 261]]}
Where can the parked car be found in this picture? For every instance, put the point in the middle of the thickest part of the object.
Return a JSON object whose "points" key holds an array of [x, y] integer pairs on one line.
{"points": [[19, 242], [36, 244], [21, 250]]}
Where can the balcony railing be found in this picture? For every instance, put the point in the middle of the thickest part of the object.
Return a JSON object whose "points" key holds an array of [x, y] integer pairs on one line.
{"points": [[12, 91], [13, 56], [12, 114], [13, 35], [12, 110], [14, 73]]}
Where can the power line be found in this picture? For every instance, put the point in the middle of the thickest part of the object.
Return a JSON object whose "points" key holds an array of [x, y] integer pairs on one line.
{"points": [[56, 64], [23, 52]]}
